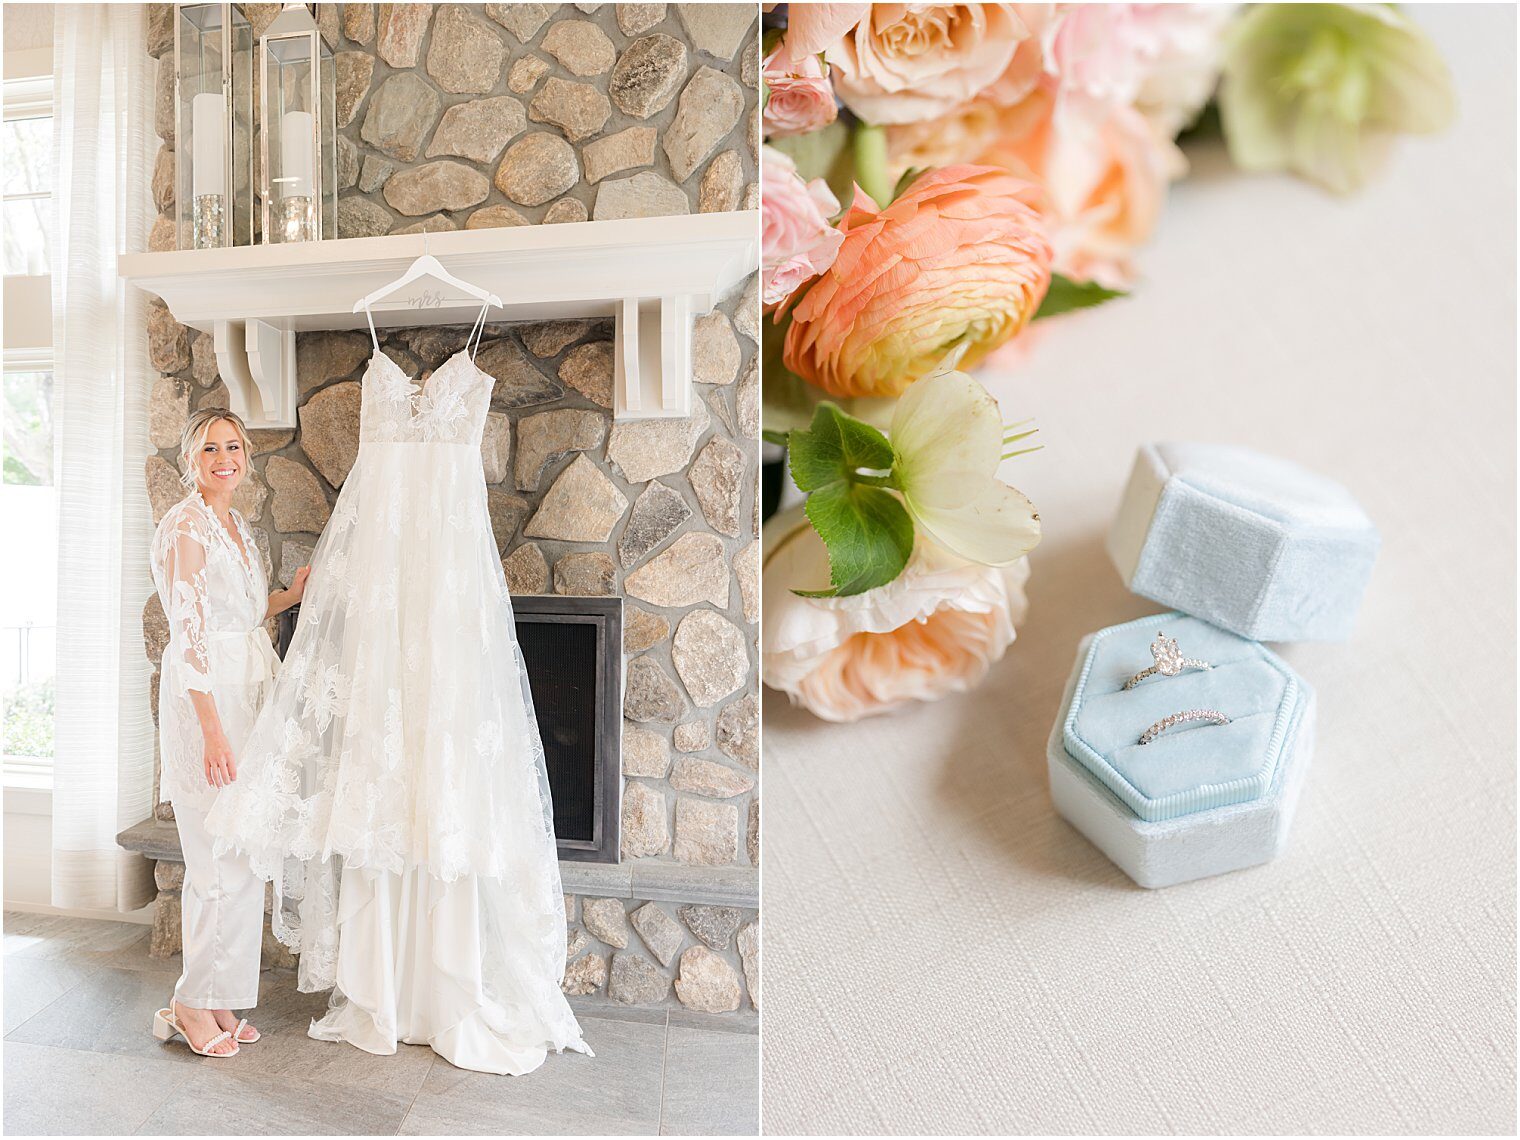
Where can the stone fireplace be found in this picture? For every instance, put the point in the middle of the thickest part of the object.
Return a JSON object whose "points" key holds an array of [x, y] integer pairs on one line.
{"points": [[660, 515]]}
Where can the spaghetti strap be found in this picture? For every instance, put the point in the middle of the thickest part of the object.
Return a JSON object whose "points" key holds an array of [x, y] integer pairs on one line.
{"points": [[477, 331], [370, 317]]}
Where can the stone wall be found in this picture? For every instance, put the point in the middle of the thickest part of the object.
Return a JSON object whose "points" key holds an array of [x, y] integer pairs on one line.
{"points": [[469, 115], [476, 115]]}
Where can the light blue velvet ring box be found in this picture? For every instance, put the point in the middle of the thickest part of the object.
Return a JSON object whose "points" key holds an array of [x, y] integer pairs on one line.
{"points": [[1250, 543], [1201, 799]]}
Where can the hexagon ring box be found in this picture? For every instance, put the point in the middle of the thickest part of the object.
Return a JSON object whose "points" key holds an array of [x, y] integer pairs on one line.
{"points": [[1248, 542], [1182, 742], [1200, 797]]}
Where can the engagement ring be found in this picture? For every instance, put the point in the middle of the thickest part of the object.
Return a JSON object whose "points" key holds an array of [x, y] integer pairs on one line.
{"points": [[1167, 722], [1169, 661]]}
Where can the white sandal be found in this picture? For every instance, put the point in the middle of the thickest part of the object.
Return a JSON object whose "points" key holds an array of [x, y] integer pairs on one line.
{"points": [[237, 1034], [166, 1027]]}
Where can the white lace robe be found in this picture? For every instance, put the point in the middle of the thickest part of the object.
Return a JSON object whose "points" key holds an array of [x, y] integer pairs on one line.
{"points": [[214, 598]]}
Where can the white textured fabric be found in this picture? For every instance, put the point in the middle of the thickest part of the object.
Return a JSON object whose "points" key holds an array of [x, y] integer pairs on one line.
{"points": [[221, 920], [945, 954], [399, 736], [214, 595], [103, 742]]}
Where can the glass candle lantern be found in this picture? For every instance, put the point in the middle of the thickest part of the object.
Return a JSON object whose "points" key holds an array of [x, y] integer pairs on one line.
{"points": [[297, 130], [213, 106]]}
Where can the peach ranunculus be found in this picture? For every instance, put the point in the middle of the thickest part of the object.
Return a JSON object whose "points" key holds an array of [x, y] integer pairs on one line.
{"points": [[797, 242], [960, 258], [1104, 172], [800, 97], [900, 63], [933, 630]]}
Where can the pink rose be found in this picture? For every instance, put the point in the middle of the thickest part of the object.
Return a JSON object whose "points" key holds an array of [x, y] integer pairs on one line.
{"points": [[796, 239], [800, 97], [909, 62], [1096, 51], [1163, 58], [1186, 61], [933, 630]]}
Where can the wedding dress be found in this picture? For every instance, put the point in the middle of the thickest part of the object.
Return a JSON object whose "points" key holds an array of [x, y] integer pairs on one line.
{"points": [[393, 787]]}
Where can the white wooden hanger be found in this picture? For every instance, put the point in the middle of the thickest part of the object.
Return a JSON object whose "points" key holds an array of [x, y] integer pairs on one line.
{"points": [[427, 266]]}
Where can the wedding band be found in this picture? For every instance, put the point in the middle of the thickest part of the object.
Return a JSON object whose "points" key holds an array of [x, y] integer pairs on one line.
{"points": [[1169, 661], [1166, 722]]}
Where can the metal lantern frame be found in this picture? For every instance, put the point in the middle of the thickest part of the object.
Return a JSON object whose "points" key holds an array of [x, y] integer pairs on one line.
{"points": [[295, 26], [235, 50]]}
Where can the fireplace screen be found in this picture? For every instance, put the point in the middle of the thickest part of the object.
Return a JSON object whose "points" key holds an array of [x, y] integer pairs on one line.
{"points": [[573, 650]]}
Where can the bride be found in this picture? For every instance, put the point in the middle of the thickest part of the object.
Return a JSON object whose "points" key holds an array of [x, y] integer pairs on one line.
{"points": [[393, 787]]}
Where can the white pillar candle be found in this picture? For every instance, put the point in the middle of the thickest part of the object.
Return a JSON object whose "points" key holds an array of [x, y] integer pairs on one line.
{"points": [[208, 130], [295, 153]]}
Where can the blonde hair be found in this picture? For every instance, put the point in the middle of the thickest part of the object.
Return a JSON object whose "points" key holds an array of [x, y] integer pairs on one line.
{"points": [[193, 438]]}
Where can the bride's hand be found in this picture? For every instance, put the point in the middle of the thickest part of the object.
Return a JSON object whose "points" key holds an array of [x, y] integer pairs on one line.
{"points": [[216, 759], [298, 583]]}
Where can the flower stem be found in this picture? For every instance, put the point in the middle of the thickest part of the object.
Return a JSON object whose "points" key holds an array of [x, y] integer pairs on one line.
{"points": [[874, 480], [869, 151]]}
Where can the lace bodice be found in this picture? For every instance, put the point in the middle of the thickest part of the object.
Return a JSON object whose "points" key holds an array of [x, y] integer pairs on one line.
{"points": [[448, 407]]}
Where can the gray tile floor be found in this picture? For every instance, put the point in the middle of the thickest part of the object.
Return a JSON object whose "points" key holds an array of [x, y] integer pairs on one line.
{"points": [[79, 1059]]}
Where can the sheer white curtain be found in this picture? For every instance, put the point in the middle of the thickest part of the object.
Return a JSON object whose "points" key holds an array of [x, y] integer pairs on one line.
{"points": [[103, 759]]}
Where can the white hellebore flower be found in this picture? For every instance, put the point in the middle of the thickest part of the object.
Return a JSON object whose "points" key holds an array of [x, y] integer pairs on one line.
{"points": [[948, 438], [935, 629]]}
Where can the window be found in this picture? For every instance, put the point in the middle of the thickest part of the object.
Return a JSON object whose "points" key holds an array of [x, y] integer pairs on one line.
{"points": [[28, 504], [28, 586], [28, 176]]}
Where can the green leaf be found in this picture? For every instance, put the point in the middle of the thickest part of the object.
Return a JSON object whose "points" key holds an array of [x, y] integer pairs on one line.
{"points": [[1066, 295], [868, 534], [909, 177], [834, 448], [780, 438]]}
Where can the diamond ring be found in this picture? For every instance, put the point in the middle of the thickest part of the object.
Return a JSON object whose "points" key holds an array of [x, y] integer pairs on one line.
{"points": [[1169, 661], [1166, 722]]}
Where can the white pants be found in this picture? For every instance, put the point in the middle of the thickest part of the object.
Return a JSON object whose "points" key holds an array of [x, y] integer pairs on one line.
{"points": [[222, 915]]}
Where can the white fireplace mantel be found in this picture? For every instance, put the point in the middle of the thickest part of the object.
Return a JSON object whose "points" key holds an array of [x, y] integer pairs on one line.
{"points": [[653, 276]]}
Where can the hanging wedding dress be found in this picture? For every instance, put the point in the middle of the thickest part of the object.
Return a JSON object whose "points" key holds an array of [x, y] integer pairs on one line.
{"points": [[393, 787]]}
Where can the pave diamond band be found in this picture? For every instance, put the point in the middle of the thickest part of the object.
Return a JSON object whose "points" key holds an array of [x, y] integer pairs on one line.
{"points": [[1213, 716], [1169, 661]]}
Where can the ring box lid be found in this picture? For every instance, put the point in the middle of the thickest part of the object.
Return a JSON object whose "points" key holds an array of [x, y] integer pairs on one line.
{"points": [[1253, 544], [1192, 767]]}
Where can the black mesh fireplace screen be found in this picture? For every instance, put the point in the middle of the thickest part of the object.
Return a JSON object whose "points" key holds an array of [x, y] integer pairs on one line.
{"points": [[573, 650]]}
